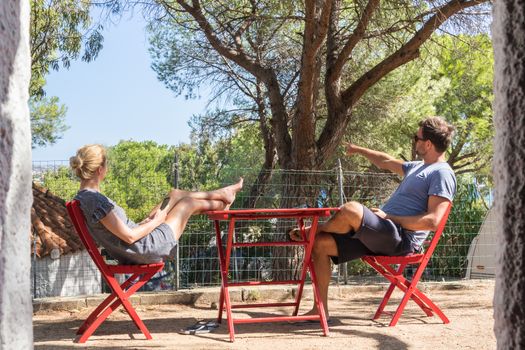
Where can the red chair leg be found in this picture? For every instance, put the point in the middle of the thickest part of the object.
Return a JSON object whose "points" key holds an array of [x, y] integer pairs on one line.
{"points": [[136, 319], [397, 280], [98, 321], [420, 299], [384, 301], [96, 313], [432, 306], [103, 311], [405, 285], [400, 308]]}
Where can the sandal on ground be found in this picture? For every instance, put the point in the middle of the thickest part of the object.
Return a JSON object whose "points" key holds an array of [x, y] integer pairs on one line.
{"points": [[200, 327]]}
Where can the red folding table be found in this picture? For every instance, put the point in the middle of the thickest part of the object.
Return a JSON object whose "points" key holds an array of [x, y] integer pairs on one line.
{"points": [[225, 253]]}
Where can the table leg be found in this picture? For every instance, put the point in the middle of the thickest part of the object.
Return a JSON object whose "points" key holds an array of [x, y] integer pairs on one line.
{"points": [[224, 260]]}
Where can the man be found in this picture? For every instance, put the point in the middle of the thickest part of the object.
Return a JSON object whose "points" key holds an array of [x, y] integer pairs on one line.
{"points": [[402, 225]]}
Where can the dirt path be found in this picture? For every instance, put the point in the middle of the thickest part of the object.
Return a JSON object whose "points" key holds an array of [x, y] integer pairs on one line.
{"points": [[469, 310]]}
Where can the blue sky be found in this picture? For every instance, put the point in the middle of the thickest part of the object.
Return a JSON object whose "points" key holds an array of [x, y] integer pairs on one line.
{"points": [[117, 97]]}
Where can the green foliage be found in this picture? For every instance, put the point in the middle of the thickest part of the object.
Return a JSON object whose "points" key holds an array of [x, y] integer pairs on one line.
{"points": [[60, 182], [359, 268], [60, 31], [467, 215], [184, 60], [454, 80], [200, 165], [47, 120], [467, 64], [387, 116], [139, 176], [215, 159]]}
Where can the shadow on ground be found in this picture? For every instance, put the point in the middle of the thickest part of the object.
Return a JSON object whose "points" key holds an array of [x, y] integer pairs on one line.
{"points": [[470, 312]]}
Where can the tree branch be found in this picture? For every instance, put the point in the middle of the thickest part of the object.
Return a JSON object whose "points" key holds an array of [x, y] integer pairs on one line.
{"points": [[357, 35], [266, 74], [406, 53]]}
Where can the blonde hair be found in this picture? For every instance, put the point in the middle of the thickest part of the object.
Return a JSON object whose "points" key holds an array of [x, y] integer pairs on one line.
{"points": [[87, 161]]}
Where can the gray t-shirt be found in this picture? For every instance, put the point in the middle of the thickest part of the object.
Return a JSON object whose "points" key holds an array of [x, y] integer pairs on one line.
{"points": [[96, 206], [159, 244], [421, 181]]}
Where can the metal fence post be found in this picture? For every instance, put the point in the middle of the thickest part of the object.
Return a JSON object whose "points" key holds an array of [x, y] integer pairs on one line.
{"points": [[341, 202], [175, 173]]}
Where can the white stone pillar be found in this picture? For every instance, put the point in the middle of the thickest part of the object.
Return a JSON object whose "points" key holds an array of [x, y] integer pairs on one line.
{"points": [[16, 331], [509, 171]]}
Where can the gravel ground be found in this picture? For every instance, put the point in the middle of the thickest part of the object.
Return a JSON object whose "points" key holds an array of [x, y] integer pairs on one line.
{"points": [[468, 307]]}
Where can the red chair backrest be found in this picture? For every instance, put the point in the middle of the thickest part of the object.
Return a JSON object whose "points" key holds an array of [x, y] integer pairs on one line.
{"points": [[437, 234], [77, 217]]}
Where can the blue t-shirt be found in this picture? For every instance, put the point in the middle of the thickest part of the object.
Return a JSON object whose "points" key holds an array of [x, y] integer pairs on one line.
{"points": [[421, 181]]}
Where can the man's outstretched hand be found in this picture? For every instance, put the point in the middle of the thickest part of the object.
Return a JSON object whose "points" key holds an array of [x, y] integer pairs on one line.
{"points": [[351, 149]]}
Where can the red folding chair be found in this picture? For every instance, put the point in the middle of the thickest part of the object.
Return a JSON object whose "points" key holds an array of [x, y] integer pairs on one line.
{"points": [[140, 274], [392, 267]]}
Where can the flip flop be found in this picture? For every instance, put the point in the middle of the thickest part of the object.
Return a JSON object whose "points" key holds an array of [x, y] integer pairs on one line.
{"points": [[200, 327]]}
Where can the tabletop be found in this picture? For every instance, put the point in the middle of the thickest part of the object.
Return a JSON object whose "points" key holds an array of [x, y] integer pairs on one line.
{"points": [[260, 213]]}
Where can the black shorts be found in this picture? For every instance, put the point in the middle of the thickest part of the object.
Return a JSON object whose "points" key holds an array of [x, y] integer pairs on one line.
{"points": [[376, 236]]}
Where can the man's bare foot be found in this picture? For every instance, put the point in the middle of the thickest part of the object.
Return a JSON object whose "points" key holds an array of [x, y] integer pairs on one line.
{"points": [[295, 233], [315, 312]]}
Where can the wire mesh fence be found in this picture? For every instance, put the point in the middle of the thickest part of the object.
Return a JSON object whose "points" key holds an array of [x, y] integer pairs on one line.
{"points": [[466, 249]]}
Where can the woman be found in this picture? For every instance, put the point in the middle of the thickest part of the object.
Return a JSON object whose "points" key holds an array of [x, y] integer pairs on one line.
{"points": [[156, 237]]}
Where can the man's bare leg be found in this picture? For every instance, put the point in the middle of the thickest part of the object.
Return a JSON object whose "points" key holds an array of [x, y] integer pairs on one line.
{"points": [[349, 218], [324, 248]]}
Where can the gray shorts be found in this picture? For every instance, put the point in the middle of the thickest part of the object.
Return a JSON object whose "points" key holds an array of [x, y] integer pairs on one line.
{"points": [[376, 236], [160, 244]]}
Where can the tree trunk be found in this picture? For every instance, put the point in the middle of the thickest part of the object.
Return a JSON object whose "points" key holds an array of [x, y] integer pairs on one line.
{"points": [[265, 174], [259, 186], [509, 162], [295, 193], [16, 331]]}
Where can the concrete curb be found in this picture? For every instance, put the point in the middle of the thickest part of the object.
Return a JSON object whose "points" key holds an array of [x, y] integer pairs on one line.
{"points": [[210, 296]]}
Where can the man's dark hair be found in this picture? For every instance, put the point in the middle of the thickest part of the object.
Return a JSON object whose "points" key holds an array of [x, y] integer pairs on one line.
{"points": [[437, 131]]}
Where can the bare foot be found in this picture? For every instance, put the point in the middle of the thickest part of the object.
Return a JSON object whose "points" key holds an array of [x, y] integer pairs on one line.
{"points": [[295, 233], [229, 192], [315, 312]]}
